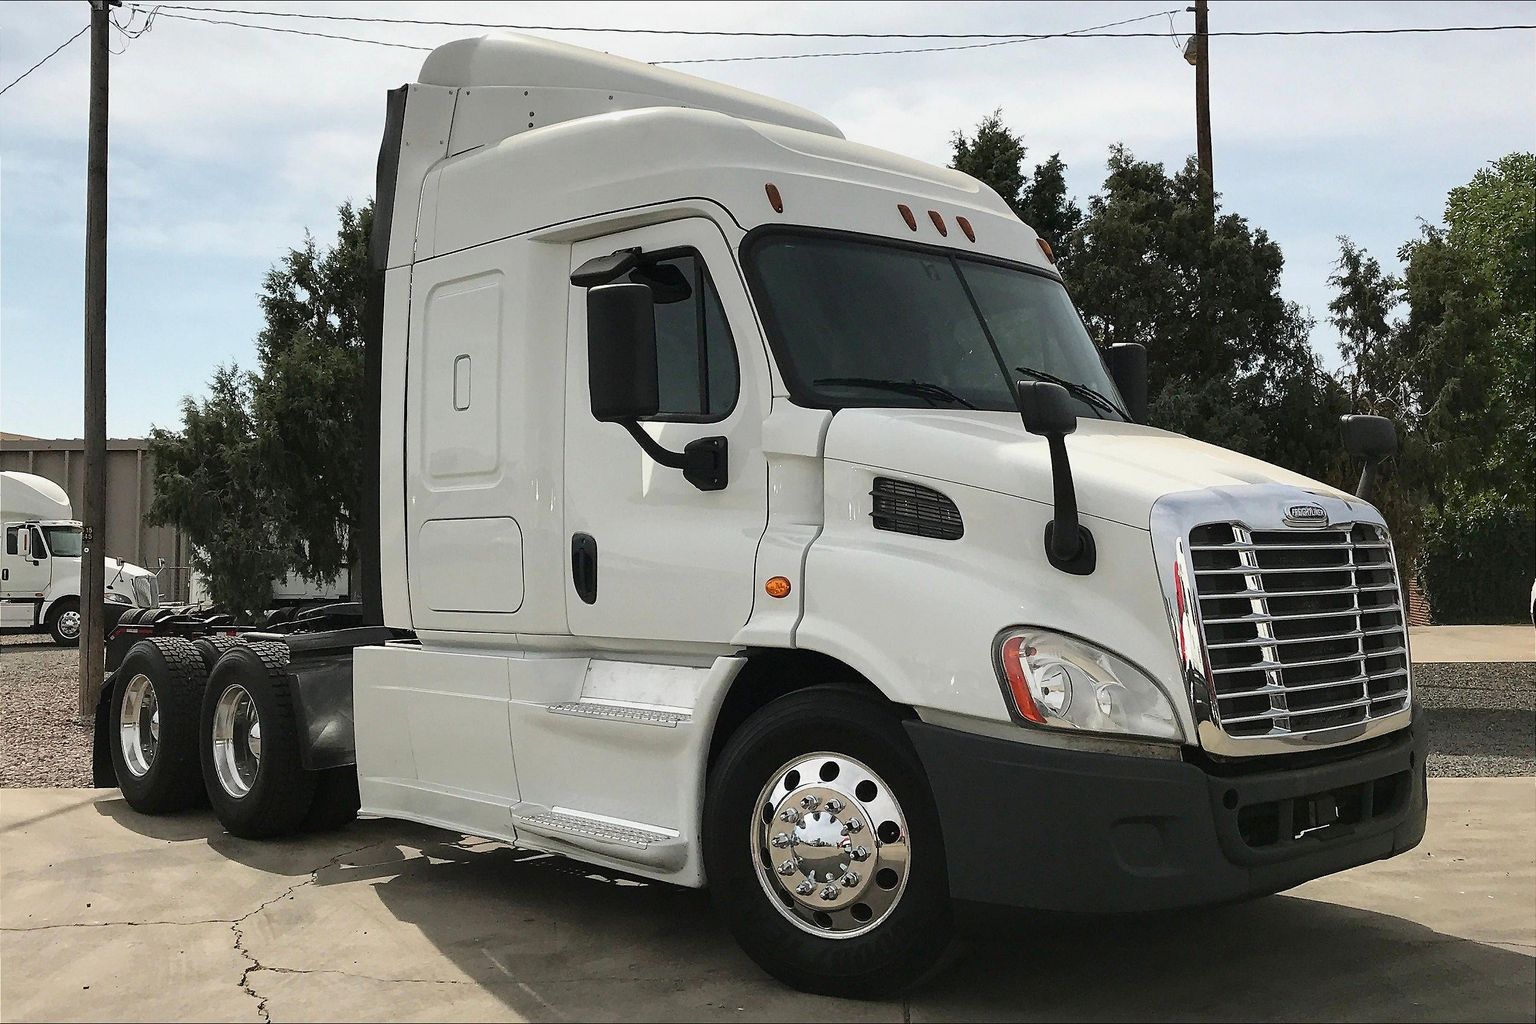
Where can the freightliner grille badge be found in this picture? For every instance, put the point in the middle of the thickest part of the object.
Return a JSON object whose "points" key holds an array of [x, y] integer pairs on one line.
{"points": [[1306, 516]]}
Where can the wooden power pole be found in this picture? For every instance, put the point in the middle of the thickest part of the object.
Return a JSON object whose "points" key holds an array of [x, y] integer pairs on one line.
{"points": [[93, 512], [1198, 53]]}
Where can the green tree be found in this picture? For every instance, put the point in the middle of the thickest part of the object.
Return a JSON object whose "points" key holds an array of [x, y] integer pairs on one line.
{"points": [[265, 475], [995, 156], [1361, 310], [210, 482]]}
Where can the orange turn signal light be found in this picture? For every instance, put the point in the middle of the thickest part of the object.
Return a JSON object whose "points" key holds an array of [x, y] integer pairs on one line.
{"points": [[1018, 684], [777, 586]]}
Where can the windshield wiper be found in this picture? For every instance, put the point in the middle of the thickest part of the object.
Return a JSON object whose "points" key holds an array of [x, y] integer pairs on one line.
{"points": [[1094, 398], [917, 388]]}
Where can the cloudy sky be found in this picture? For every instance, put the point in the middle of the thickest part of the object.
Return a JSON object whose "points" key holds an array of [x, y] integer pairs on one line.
{"points": [[228, 143]]}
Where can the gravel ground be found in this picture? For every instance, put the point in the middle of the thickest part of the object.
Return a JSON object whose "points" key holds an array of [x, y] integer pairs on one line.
{"points": [[1482, 717]]}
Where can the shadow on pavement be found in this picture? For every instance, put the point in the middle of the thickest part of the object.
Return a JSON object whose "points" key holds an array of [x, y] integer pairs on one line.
{"points": [[554, 939]]}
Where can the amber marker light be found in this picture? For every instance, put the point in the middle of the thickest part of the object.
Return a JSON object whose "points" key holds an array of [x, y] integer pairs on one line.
{"points": [[965, 226], [1045, 247], [778, 586], [938, 222], [774, 199], [906, 215]]}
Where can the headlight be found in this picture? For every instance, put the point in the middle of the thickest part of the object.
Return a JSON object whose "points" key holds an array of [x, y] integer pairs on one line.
{"points": [[117, 598], [1065, 683]]}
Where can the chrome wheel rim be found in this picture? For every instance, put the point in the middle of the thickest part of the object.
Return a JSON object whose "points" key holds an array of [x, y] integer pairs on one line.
{"points": [[829, 840], [236, 741], [69, 625], [139, 725]]}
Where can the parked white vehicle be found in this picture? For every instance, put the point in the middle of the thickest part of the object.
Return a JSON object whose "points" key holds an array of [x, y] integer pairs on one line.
{"points": [[40, 562], [755, 512]]}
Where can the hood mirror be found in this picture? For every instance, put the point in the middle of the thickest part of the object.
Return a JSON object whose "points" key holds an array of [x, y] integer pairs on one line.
{"points": [[1372, 438], [1047, 410], [1127, 366]]}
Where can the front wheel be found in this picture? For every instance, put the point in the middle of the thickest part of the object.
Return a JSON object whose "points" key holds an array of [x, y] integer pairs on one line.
{"points": [[823, 847], [64, 622]]}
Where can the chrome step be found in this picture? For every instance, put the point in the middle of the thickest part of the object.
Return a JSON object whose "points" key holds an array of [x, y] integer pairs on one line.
{"points": [[620, 713], [630, 841]]}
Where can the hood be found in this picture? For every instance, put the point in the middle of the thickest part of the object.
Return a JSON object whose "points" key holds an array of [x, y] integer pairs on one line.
{"points": [[129, 570], [1119, 469]]}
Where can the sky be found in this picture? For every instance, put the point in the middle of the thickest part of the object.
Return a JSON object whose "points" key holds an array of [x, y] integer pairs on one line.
{"points": [[227, 144]]}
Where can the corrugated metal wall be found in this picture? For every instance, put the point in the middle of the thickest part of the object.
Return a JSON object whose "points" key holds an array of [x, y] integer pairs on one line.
{"points": [[130, 489]]}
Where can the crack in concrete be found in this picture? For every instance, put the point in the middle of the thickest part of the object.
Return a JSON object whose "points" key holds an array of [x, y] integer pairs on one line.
{"points": [[115, 924], [253, 965]]}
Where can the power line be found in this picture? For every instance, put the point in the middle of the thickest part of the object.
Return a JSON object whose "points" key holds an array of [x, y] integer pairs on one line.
{"points": [[625, 29], [164, 13], [1405, 30], [46, 59]]}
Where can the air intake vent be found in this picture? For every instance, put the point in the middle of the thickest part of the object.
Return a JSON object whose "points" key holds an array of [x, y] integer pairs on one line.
{"points": [[904, 507]]}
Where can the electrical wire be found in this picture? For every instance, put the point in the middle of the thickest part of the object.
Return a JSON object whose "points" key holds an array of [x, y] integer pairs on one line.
{"points": [[841, 35], [46, 59], [167, 13]]}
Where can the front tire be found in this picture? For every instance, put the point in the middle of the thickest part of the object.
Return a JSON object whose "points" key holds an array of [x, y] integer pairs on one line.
{"points": [[250, 745], [64, 622], [823, 847]]}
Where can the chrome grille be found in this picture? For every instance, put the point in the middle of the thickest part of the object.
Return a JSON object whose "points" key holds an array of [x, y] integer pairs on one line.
{"points": [[1303, 629]]}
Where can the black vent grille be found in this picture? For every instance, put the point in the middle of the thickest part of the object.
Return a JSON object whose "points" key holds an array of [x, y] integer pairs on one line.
{"points": [[904, 507]]}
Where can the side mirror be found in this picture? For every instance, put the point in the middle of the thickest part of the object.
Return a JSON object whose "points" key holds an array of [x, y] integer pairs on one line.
{"points": [[1127, 365], [621, 353], [1372, 438], [1047, 410]]}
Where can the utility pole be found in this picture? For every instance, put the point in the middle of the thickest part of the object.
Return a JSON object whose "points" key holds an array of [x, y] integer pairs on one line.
{"points": [[94, 510], [1198, 53]]}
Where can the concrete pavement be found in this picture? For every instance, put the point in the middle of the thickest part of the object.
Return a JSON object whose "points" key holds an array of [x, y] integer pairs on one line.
{"points": [[1471, 644], [105, 914]]}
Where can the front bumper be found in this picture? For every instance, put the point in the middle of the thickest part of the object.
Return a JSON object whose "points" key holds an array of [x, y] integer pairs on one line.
{"points": [[1070, 830]]}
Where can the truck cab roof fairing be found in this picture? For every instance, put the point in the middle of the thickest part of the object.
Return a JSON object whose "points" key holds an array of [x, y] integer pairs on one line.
{"points": [[508, 59]]}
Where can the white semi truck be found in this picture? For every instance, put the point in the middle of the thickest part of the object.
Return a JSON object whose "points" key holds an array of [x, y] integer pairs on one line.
{"points": [[40, 563], [755, 512]]}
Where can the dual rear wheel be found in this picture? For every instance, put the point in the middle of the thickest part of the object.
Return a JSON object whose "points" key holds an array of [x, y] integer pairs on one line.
{"points": [[184, 735]]}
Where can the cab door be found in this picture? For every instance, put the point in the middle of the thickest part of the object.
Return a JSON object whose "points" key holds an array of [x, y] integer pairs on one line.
{"points": [[25, 565], [654, 557]]}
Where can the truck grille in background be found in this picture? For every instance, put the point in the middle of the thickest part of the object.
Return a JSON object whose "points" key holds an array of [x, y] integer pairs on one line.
{"points": [[1304, 629], [146, 591], [904, 507]]}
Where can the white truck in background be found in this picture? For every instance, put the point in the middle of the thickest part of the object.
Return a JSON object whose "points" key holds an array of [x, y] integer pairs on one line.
{"points": [[755, 512], [40, 563]]}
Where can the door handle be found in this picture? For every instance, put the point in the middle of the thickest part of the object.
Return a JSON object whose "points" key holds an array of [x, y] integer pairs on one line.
{"points": [[5, 574], [584, 566]]}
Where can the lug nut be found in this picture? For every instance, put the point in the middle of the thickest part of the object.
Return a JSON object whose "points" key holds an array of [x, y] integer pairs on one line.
{"points": [[789, 814], [835, 806], [851, 878], [788, 867], [853, 827], [782, 839], [805, 888], [830, 892], [809, 801], [860, 852]]}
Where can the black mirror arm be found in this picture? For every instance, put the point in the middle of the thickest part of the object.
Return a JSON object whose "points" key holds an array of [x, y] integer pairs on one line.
{"points": [[705, 462], [1367, 485], [1068, 544]]}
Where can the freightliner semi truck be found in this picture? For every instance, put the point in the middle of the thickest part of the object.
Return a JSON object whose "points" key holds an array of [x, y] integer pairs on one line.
{"points": [[40, 563], [755, 512]]}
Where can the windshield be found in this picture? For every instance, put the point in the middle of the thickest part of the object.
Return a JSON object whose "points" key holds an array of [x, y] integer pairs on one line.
{"points": [[858, 323], [63, 541]]}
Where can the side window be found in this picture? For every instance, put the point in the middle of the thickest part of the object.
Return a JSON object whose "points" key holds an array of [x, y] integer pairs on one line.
{"points": [[10, 540], [695, 354], [39, 549]]}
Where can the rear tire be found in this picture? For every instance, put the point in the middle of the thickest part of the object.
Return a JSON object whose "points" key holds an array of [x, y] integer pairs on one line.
{"points": [[211, 648], [859, 906], [158, 691], [64, 622], [250, 745]]}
